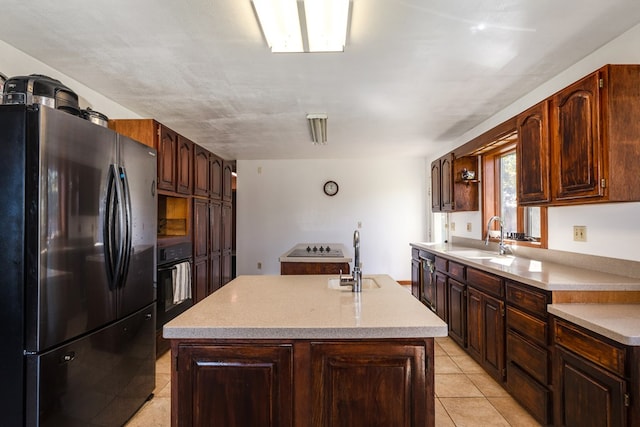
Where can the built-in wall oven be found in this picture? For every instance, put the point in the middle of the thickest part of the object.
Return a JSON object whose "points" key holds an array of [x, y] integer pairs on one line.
{"points": [[174, 281]]}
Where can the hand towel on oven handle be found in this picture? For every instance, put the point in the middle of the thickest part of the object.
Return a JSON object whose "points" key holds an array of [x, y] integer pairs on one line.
{"points": [[181, 282]]}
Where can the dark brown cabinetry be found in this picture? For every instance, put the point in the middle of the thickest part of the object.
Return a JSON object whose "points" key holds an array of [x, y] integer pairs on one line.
{"points": [[215, 172], [233, 385], [457, 311], [449, 191], [590, 140], [227, 181], [167, 145], [314, 267], [533, 156], [201, 177], [528, 355], [200, 249], [589, 372], [303, 383], [184, 166], [485, 322]]}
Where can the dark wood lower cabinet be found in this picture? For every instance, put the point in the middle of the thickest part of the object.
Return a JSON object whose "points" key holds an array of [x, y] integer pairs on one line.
{"points": [[314, 267], [485, 332], [457, 312], [303, 383]]}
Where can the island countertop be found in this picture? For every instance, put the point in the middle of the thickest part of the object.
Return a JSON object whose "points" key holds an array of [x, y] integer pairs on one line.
{"points": [[305, 307]]}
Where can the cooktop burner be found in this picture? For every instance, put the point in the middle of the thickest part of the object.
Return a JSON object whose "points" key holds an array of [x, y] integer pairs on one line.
{"points": [[317, 251]]}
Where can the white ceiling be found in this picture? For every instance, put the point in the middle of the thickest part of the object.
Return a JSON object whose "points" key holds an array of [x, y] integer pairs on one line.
{"points": [[414, 73]]}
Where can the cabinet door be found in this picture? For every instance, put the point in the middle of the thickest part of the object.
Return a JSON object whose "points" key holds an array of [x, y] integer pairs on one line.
{"points": [[200, 279], [184, 166], [368, 384], [457, 312], [446, 183], [580, 385], [200, 228], [234, 386], [474, 324], [215, 272], [533, 155], [493, 339], [441, 296], [415, 278], [226, 268], [577, 148], [435, 186], [215, 170], [167, 146], [201, 178], [227, 227]]}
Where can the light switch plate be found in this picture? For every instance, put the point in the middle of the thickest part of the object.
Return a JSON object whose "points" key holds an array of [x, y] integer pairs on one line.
{"points": [[579, 233]]}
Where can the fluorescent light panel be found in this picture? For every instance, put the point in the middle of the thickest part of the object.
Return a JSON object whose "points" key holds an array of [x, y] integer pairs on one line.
{"points": [[318, 128], [326, 24]]}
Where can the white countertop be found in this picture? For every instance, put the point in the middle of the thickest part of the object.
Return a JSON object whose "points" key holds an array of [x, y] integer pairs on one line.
{"points": [[620, 322], [304, 307], [545, 275], [285, 257]]}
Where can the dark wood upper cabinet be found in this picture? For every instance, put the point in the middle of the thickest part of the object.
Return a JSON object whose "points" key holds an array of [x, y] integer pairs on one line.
{"points": [[201, 179], [581, 144], [577, 147], [449, 192], [532, 154], [446, 183], [167, 145], [435, 186], [184, 166], [215, 173]]}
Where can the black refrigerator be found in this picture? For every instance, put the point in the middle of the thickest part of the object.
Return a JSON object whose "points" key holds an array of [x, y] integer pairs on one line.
{"points": [[77, 267]]}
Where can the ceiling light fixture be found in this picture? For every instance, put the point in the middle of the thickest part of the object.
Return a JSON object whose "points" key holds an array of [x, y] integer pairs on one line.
{"points": [[304, 25], [318, 128]]}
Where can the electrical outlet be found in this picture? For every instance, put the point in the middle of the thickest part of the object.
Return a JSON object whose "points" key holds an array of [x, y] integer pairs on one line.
{"points": [[579, 233], [259, 266], [468, 226], [453, 226]]}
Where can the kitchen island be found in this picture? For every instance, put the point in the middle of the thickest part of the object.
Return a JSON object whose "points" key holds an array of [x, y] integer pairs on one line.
{"points": [[315, 258], [299, 351]]}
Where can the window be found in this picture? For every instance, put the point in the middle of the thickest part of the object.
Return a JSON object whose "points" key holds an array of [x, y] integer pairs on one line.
{"points": [[523, 225]]}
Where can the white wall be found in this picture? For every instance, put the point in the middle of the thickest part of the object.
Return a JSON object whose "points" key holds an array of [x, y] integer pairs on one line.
{"points": [[612, 229], [16, 63], [281, 203]]}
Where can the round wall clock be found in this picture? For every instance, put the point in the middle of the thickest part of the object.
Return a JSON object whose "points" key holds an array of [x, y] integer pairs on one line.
{"points": [[330, 188]]}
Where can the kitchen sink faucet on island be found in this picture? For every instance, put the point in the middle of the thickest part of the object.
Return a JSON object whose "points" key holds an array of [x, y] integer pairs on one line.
{"points": [[355, 279]]}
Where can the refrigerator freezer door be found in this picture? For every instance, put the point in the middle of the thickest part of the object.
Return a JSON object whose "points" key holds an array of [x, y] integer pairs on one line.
{"points": [[138, 169], [101, 379], [69, 293]]}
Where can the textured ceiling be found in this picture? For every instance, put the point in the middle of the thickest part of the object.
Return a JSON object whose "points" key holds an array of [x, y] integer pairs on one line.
{"points": [[415, 73]]}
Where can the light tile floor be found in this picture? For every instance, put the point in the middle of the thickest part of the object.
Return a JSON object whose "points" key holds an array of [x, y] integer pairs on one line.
{"points": [[466, 396]]}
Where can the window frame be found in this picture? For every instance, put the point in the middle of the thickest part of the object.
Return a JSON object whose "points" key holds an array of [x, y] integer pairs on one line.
{"points": [[491, 195]]}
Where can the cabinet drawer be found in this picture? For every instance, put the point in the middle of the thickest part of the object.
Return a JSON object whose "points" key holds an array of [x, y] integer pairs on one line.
{"points": [[456, 270], [531, 358], [485, 282], [527, 298], [591, 348], [530, 394], [527, 325], [442, 264]]}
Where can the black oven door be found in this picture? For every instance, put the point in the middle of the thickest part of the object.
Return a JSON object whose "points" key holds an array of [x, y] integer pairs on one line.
{"points": [[167, 309]]}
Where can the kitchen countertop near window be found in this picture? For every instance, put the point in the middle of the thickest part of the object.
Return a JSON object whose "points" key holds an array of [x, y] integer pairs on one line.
{"points": [[305, 307], [545, 275]]}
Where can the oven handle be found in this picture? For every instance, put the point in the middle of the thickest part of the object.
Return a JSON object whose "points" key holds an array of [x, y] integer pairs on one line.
{"points": [[172, 266]]}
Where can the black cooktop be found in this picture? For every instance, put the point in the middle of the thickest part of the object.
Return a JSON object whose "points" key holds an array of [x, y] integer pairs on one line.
{"points": [[324, 251]]}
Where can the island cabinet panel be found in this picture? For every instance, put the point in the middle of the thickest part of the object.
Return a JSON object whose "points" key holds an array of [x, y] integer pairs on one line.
{"points": [[371, 384], [314, 267], [234, 386], [303, 383]]}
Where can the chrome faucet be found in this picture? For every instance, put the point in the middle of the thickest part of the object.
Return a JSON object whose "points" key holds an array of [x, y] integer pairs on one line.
{"points": [[355, 279], [504, 249]]}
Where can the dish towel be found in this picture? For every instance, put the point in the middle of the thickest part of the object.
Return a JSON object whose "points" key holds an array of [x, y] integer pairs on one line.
{"points": [[181, 276]]}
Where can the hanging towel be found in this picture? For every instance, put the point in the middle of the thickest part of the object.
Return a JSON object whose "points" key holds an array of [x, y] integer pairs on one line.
{"points": [[181, 276]]}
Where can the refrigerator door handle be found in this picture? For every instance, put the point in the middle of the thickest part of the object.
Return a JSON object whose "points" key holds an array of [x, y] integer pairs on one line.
{"points": [[113, 230], [126, 225]]}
